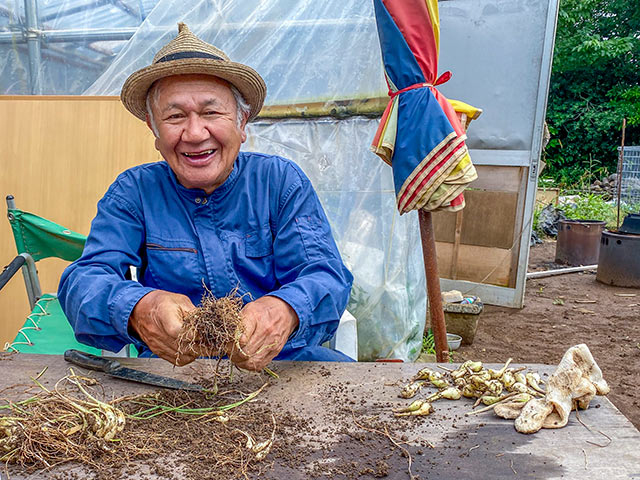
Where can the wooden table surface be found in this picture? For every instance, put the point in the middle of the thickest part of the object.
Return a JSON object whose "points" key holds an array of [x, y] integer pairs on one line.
{"points": [[482, 446]]}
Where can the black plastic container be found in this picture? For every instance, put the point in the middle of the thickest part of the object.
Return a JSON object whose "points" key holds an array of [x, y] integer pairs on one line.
{"points": [[619, 260], [631, 224]]}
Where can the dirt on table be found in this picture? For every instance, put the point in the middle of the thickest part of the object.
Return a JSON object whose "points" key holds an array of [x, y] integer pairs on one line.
{"points": [[562, 311]]}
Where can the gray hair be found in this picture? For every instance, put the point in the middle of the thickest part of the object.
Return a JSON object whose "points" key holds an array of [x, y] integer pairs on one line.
{"points": [[152, 92], [243, 109]]}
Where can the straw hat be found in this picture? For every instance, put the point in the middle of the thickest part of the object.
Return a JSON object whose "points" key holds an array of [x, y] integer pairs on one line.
{"points": [[188, 54]]}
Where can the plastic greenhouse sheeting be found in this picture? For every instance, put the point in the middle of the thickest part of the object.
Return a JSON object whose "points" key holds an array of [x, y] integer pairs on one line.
{"points": [[73, 46], [380, 247], [298, 46], [305, 49]]}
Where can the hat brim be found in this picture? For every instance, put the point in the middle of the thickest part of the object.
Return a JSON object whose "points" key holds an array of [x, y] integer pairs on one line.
{"points": [[244, 78]]}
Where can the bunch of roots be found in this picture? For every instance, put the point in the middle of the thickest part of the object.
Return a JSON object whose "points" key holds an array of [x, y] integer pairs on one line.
{"points": [[214, 328], [71, 424], [66, 423]]}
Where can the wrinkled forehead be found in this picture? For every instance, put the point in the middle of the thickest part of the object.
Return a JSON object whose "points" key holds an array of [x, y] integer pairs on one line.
{"points": [[175, 84]]}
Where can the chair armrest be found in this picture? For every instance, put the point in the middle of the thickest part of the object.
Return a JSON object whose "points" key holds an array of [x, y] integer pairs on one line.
{"points": [[10, 270]]}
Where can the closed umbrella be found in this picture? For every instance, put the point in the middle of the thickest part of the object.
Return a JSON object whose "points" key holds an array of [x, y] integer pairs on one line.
{"points": [[420, 134]]}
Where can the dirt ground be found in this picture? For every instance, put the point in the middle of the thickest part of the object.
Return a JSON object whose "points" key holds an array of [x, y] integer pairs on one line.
{"points": [[562, 311]]}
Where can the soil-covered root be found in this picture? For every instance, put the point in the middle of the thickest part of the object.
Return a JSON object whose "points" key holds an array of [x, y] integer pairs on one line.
{"points": [[72, 424], [65, 424], [214, 328]]}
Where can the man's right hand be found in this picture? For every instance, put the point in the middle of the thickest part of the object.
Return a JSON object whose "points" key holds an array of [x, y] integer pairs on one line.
{"points": [[157, 319]]}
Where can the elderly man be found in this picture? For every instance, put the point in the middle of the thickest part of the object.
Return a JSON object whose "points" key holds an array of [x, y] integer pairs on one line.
{"points": [[208, 216]]}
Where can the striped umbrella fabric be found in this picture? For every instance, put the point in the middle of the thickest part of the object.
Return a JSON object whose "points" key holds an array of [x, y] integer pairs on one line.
{"points": [[420, 134]]}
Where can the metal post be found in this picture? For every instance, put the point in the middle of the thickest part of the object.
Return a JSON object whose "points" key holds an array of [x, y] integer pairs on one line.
{"points": [[10, 270], [32, 35], [11, 202], [31, 281], [620, 164], [433, 285]]}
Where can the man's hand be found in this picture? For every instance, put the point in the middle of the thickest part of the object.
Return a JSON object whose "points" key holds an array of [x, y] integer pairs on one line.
{"points": [[268, 322], [157, 319]]}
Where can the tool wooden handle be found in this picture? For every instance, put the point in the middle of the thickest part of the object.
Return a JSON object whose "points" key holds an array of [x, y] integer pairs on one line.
{"points": [[92, 362]]}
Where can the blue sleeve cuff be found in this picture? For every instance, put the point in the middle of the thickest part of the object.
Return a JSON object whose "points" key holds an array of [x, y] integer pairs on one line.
{"points": [[300, 304], [122, 306]]}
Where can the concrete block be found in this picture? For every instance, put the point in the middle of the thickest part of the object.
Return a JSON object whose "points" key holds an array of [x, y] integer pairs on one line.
{"points": [[462, 319]]}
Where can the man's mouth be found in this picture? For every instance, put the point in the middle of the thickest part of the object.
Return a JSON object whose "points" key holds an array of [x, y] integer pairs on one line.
{"points": [[199, 155]]}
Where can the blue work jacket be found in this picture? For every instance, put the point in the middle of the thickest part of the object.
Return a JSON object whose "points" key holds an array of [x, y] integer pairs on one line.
{"points": [[262, 231]]}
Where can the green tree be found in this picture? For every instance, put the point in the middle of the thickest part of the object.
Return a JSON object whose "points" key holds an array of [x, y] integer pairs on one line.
{"points": [[594, 84]]}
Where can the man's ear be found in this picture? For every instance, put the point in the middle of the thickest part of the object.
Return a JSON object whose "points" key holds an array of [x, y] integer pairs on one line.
{"points": [[243, 125], [147, 120]]}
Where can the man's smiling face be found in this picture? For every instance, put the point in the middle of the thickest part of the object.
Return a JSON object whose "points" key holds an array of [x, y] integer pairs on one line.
{"points": [[197, 130]]}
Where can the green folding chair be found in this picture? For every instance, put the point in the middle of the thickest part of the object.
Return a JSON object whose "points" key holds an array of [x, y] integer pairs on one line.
{"points": [[46, 329]]}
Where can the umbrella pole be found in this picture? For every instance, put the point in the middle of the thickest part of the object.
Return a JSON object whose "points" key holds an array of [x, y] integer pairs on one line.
{"points": [[433, 285]]}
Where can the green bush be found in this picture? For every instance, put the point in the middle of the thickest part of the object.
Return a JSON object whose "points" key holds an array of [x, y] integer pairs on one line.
{"points": [[594, 85], [536, 220]]}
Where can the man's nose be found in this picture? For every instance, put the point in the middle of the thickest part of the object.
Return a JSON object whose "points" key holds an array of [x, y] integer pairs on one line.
{"points": [[195, 130]]}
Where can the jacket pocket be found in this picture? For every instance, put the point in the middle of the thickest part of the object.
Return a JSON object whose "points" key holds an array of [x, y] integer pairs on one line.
{"points": [[173, 265], [256, 267], [258, 244], [155, 246]]}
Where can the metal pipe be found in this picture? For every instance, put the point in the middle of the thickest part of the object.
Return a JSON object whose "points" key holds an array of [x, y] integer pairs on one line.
{"points": [[32, 35], [11, 202], [10, 270], [620, 164], [93, 35], [433, 285], [74, 35], [31, 281], [370, 107], [561, 271], [110, 34], [28, 285]]}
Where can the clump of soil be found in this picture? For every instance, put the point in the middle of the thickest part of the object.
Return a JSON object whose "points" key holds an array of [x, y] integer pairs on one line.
{"points": [[208, 445], [212, 329]]}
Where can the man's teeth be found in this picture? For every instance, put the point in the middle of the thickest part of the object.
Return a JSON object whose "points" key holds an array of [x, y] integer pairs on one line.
{"points": [[199, 154]]}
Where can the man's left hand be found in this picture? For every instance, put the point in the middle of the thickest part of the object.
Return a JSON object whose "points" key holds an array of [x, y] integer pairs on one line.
{"points": [[268, 322]]}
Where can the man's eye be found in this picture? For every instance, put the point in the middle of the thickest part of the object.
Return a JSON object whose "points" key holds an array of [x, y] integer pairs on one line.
{"points": [[175, 116]]}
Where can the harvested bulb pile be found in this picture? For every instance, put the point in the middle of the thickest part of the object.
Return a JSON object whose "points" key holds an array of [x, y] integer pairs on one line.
{"points": [[472, 380]]}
